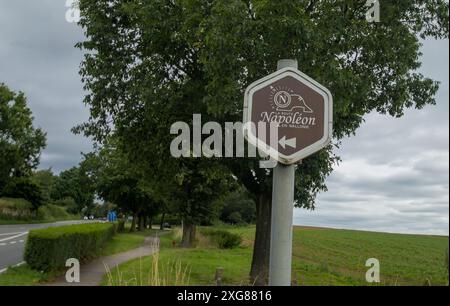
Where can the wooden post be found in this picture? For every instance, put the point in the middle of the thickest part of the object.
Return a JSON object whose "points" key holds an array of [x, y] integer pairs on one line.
{"points": [[218, 277]]}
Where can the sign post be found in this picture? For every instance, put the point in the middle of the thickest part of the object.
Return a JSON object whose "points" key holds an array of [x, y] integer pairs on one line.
{"points": [[282, 215], [302, 111], [281, 227]]}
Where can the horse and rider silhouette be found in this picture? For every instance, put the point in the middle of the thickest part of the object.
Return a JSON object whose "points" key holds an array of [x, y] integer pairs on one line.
{"points": [[297, 103]]}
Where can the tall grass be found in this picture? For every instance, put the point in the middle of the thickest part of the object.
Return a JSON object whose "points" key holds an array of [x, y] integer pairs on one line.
{"points": [[171, 273], [446, 265], [15, 209]]}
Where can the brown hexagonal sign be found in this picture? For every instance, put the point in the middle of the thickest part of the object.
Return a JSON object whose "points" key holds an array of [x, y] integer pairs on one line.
{"points": [[299, 109]]}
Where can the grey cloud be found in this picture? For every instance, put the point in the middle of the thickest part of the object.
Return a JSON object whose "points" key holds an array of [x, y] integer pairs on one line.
{"points": [[37, 56], [395, 172]]}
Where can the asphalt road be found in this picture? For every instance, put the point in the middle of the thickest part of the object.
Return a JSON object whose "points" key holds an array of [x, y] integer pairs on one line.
{"points": [[13, 239]]}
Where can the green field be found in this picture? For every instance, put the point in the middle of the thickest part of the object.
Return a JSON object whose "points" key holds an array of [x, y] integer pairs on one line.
{"points": [[320, 257]]}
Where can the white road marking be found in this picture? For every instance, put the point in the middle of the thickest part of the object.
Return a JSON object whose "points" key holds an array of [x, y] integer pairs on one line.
{"points": [[13, 237], [13, 242], [10, 234], [18, 265], [2, 244]]}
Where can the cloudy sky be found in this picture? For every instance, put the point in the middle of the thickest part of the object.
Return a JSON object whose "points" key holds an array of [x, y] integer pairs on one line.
{"points": [[395, 173], [394, 176]]}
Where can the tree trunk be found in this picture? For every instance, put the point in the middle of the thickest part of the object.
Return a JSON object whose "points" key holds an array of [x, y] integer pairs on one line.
{"points": [[145, 221], [150, 222], [133, 223], [162, 221], [261, 250], [141, 222], [189, 231]]}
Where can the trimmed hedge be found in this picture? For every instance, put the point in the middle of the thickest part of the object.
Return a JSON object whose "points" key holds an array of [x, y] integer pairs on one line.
{"points": [[223, 238], [48, 249]]}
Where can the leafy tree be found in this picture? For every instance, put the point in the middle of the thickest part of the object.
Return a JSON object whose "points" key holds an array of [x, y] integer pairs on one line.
{"points": [[68, 203], [151, 63], [101, 210], [45, 179], [20, 142], [119, 181], [196, 187], [24, 188], [76, 184], [238, 207]]}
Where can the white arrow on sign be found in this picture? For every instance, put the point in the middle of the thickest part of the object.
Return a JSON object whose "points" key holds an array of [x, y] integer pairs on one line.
{"points": [[289, 142]]}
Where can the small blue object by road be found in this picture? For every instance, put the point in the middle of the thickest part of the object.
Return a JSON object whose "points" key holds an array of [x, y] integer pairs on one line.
{"points": [[112, 216]]}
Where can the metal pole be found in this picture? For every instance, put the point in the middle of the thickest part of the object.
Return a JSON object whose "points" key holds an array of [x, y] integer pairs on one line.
{"points": [[282, 215]]}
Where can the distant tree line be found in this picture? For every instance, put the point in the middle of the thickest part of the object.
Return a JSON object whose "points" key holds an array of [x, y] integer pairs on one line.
{"points": [[108, 175]]}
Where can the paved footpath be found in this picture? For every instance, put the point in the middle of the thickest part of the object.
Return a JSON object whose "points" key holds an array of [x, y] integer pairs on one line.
{"points": [[92, 273]]}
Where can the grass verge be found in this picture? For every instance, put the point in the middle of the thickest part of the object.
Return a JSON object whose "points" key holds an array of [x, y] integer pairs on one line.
{"points": [[22, 276], [321, 257], [127, 241]]}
